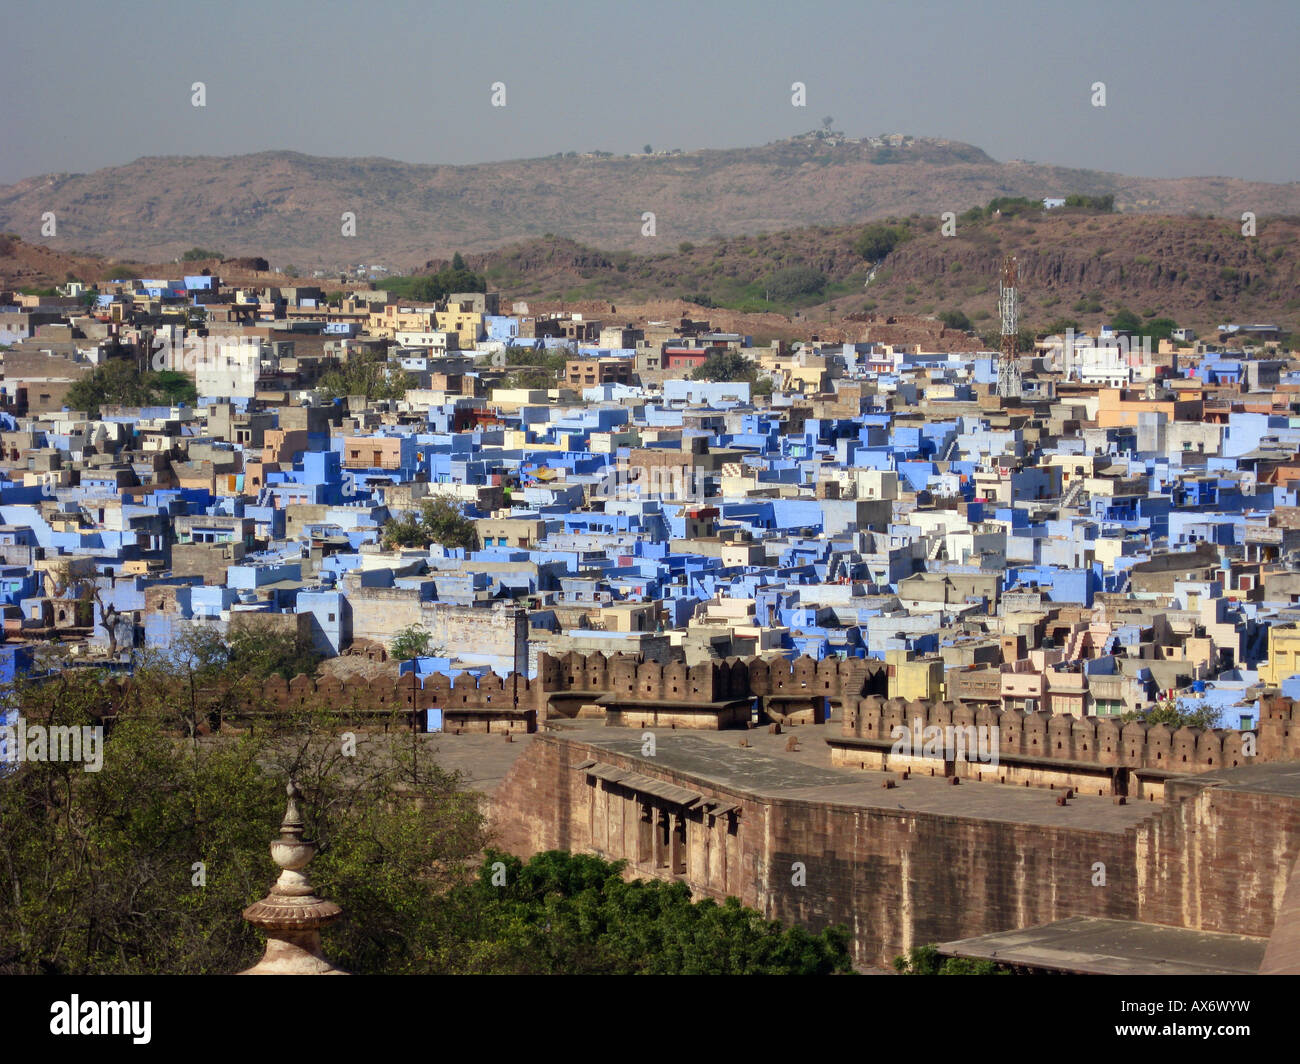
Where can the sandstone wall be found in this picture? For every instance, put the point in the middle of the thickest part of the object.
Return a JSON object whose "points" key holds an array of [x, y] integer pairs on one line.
{"points": [[1208, 859]]}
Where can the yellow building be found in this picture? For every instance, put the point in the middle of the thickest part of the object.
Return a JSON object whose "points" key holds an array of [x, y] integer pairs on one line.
{"points": [[468, 324], [391, 319], [1283, 654], [911, 680]]}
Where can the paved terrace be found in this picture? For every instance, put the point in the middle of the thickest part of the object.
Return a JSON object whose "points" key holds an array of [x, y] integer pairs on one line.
{"points": [[1095, 946], [767, 769]]}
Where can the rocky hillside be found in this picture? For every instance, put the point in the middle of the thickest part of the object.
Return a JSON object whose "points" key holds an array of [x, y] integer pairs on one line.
{"points": [[289, 207], [1074, 264]]}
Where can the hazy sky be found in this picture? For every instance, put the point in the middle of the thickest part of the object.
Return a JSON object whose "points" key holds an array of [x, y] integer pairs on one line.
{"points": [[1192, 89]]}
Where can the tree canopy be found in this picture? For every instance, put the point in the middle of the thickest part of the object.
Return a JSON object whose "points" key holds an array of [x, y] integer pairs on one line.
{"points": [[563, 913], [926, 960], [372, 377], [435, 287], [413, 641], [877, 241], [120, 382], [440, 520], [146, 865]]}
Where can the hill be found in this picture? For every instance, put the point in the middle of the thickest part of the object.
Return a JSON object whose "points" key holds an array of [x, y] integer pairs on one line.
{"points": [[288, 207], [1075, 264]]}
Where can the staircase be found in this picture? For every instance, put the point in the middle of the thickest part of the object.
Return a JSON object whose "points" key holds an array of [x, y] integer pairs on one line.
{"points": [[935, 549], [1071, 496], [1074, 648]]}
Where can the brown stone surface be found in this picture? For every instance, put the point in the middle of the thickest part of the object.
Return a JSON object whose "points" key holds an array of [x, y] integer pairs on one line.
{"points": [[922, 862], [1093, 946]]}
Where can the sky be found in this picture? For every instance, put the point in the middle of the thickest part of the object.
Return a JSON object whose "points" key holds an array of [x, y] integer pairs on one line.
{"points": [[1190, 89]]}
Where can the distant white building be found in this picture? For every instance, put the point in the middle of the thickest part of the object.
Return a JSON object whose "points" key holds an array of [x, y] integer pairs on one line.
{"points": [[1053, 201]]}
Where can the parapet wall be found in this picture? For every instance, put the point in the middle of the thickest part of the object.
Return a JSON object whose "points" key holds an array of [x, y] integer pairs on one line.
{"points": [[1096, 740], [627, 676], [585, 677]]}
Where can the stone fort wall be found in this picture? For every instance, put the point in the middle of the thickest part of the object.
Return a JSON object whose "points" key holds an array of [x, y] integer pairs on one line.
{"points": [[1208, 858], [1098, 741], [563, 683]]}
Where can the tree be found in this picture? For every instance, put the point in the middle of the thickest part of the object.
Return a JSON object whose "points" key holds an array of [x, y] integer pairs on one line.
{"points": [[726, 366], [563, 913], [446, 524], [794, 283], [1060, 327], [955, 319], [145, 865], [440, 521], [877, 241], [647, 150], [109, 614], [1125, 321], [926, 960], [413, 641], [1094, 203], [372, 377], [120, 382], [200, 255], [1168, 713], [435, 287]]}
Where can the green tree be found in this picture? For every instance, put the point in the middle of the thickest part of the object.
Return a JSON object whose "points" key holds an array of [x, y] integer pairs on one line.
{"points": [[1125, 321], [145, 865], [370, 376], [955, 319], [413, 641], [794, 283], [120, 382], [562, 913], [726, 366], [1094, 203], [877, 241], [440, 521], [435, 287], [1060, 326], [403, 532], [1166, 712], [200, 255], [446, 523], [926, 960]]}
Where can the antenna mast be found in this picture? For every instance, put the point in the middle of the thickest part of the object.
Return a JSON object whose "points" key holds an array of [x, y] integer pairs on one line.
{"points": [[1009, 383]]}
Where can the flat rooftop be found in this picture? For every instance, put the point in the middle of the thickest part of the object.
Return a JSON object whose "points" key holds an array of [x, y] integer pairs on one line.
{"points": [[1091, 945], [1277, 777], [766, 769]]}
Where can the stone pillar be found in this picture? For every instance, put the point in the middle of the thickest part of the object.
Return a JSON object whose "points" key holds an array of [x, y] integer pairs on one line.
{"points": [[291, 915]]}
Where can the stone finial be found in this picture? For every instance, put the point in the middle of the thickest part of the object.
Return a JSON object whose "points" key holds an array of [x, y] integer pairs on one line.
{"points": [[291, 915]]}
